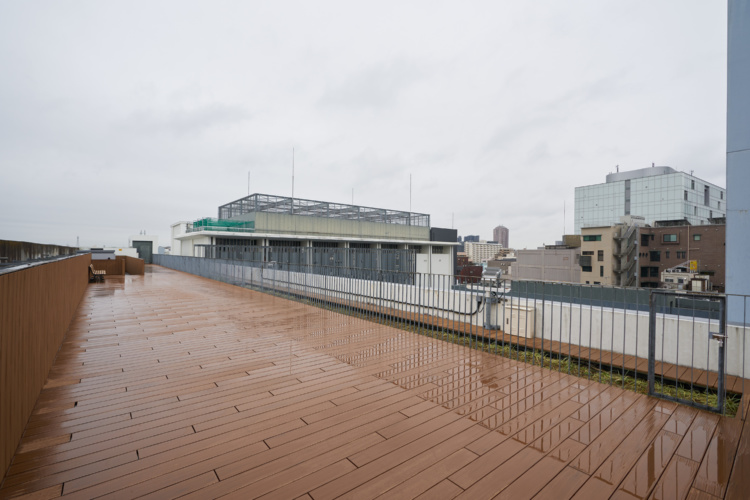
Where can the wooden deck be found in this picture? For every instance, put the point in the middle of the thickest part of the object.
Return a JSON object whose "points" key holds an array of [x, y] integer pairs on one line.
{"points": [[171, 385]]}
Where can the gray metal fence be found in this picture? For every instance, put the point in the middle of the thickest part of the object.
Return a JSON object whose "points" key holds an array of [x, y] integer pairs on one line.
{"points": [[601, 333]]}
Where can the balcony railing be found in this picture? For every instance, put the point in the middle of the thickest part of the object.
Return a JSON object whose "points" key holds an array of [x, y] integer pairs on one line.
{"points": [[212, 224], [601, 333]]}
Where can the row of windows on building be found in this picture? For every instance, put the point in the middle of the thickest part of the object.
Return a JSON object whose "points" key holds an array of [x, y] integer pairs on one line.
{"points": [[655, 255], [666, 238], [645, 238], [589, 269]]}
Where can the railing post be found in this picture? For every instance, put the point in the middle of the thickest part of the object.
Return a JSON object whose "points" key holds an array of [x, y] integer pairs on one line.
{"points": [[722, 349], [651, 342]]}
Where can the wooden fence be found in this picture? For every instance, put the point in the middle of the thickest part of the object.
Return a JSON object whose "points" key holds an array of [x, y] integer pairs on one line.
{"points": [[113, 267], [37, 305], [135, 266]]}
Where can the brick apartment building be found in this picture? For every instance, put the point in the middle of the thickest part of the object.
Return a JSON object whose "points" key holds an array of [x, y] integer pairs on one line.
{"points": [[662, 248]]}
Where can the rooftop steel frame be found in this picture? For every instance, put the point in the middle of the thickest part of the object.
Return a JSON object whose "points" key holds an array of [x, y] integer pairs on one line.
{"points": [[311, 208]]}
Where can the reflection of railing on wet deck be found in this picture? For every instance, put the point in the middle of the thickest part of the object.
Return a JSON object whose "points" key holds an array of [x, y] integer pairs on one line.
{"points": [[602, 327]]}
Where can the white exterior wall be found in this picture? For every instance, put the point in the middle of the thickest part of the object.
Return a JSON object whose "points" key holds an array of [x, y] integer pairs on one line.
{"points": [[188, 245], [442, 263], [178, 229]]}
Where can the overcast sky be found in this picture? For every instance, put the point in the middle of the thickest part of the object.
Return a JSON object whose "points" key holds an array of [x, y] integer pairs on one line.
{"points": [[117, 117]]}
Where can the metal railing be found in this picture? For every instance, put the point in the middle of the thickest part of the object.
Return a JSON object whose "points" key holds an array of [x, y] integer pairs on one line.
{"points": [[592, 331]]}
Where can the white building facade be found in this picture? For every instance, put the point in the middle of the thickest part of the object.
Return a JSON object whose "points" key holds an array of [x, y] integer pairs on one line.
{"points": [[656, 194], [334, 234], [479, 252]]}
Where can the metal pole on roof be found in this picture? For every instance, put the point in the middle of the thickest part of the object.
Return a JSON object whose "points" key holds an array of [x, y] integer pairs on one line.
{"points": [[292, 179]]}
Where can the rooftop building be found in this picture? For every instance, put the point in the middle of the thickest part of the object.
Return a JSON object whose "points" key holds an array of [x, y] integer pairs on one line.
{"points": [[302, 232], [657, 194]]}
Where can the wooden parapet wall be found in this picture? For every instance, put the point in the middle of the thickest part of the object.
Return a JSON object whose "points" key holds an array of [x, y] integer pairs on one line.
{"points": [[113, 267], [135, 266], [37, 305]]}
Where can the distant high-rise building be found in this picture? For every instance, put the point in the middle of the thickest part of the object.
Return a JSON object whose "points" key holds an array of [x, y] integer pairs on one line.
{"points": [[500, 234], [471, 237], [658, 194], [481, 251]]}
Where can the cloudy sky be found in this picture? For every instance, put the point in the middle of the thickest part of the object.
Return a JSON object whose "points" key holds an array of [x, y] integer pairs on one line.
{"points": [[118, 117]]}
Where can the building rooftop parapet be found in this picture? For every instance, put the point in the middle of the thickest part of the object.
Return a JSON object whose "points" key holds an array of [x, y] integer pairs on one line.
{"points": [[640, 173], [311, 208]]}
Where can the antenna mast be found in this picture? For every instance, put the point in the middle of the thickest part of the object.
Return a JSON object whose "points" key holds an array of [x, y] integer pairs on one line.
{"points": [[292, 173]]}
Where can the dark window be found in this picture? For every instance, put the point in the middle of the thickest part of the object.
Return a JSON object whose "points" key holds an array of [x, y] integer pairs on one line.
{"points": [[706, 196], [644, 240], [600, 256], [654, 272], [586, 269], [644, 272], [666, 254], [437, 249], [719, 205], [681, 255], [721, 194], [592, 237], [655, 255], [686, 195], [696, 237], [669, 238], [601, 270], [692, 184], [284, 243], [588, 252], [695, 210]]}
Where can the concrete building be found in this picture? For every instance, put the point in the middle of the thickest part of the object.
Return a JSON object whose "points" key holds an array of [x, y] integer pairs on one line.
{"points": [[481, 251], [500, 235], [299, 232], [657, 194], [146, 246], [609, 254], [504, 265], [682, 278], [663, 248], [547, 264]]}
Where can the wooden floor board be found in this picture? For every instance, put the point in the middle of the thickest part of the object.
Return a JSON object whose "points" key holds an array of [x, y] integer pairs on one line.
{"points": [[170, 385]]}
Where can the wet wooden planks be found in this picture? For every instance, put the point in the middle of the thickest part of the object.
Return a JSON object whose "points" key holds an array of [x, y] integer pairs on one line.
{"points": [[169, 385]]}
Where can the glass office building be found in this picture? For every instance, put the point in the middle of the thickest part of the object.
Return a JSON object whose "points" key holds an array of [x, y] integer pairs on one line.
{"points": [[657, 194]]}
